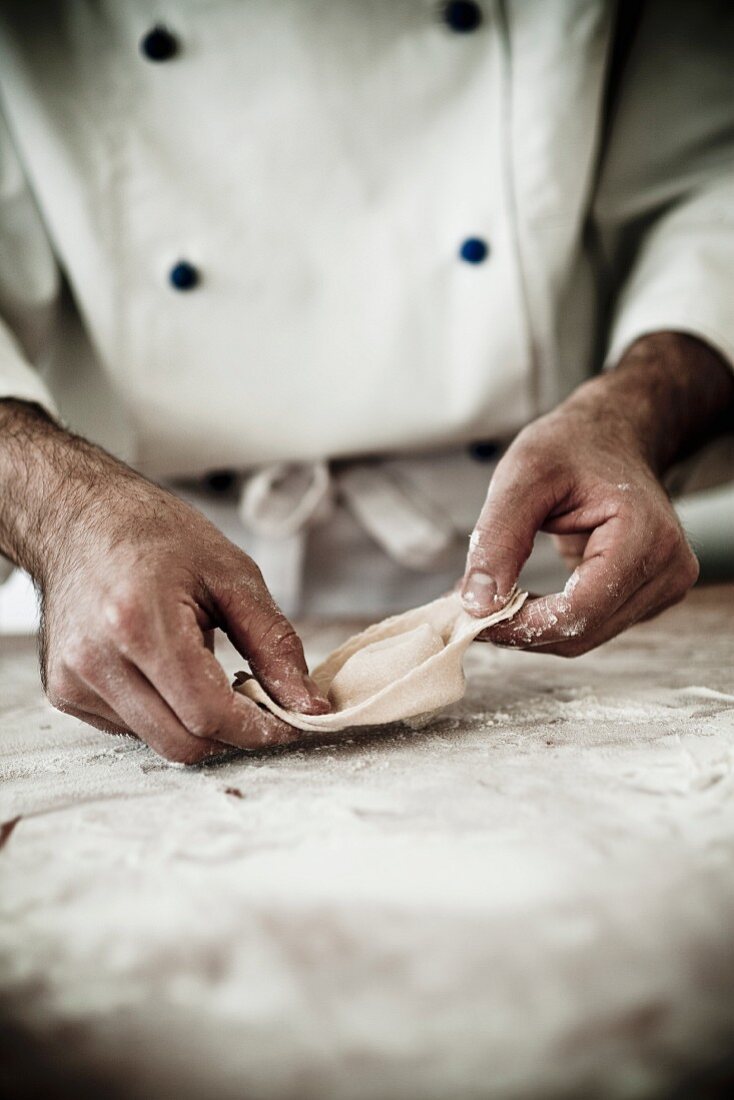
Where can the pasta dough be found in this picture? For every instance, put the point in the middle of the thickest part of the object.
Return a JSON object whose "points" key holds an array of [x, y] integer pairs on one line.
{"points": [[407, 665]]}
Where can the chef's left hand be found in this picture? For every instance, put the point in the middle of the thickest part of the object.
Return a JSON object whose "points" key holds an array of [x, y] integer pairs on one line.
{"points": [[590, 473]]}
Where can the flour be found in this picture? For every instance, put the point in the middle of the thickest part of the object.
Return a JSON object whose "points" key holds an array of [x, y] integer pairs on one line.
{"points": [[486, 902], [571, 584]]}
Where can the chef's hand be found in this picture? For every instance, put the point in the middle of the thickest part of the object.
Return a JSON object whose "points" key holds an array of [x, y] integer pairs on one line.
{"points": [[590, 473], [133, 582]]}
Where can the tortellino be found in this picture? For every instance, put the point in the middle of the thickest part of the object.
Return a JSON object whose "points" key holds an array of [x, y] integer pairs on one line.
{"points": [[408, 665]]}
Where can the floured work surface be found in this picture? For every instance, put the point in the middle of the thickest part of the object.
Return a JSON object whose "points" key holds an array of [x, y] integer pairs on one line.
{"points": [[532, 894]]}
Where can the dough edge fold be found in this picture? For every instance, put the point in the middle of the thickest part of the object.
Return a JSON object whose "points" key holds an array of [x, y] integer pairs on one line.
{"points": [[433, 684]]}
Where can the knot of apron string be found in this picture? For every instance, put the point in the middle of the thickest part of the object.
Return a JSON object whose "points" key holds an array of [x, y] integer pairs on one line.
{"points": [[282, 501]]}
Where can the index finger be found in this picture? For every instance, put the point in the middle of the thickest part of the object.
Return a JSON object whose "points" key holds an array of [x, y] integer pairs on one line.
{"points": [[502, 539], [611, 572], [181, 667]]}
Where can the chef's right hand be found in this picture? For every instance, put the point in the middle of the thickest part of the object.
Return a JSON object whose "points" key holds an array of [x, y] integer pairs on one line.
{"points": [[133, 582]]}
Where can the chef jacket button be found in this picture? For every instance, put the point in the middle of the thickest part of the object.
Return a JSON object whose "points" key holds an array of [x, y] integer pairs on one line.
{"points": [[463, 16], [483, 450], [183, 276], [474, 250], [220, 481], [159, 44]]}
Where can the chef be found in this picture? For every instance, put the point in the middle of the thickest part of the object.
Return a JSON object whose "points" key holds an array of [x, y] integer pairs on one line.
{"points": [[322, 272]]}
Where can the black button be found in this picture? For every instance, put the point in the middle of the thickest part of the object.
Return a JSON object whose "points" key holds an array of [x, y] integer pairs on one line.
{"points": [[183, 276], [463, 16], [483, 450], [474, 250], [220, 480], [159, 44]]}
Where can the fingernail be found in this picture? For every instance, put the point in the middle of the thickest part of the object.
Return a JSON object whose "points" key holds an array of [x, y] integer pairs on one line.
{"points": [[479, 594], [317, 703]]}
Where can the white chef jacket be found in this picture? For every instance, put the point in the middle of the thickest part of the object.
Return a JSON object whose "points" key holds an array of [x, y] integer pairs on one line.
{"points": [[350, 228]]}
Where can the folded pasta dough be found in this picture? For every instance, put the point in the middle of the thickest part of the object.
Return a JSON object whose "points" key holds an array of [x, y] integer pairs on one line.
{"points": [[407, 665]]}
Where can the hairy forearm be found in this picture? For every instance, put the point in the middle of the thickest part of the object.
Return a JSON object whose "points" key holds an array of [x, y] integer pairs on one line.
{"points": [[670, 392], [51, 481]]}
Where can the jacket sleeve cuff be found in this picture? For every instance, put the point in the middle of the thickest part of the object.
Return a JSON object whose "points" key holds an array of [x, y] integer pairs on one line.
{"points": [[20, 382], [682, 277], [655, 317]]}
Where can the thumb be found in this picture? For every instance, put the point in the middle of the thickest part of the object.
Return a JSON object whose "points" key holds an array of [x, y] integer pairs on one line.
{"points": [[502, 540], [261, 633]]}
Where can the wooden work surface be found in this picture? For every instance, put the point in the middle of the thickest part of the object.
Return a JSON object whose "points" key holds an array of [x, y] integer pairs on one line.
{"points": [[531, 895]]}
